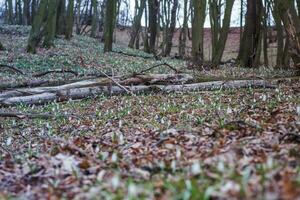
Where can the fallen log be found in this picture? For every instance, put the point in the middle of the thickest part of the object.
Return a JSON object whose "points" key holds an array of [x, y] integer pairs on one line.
{"points": [[26, 115], [80, 93], [136, 80]]}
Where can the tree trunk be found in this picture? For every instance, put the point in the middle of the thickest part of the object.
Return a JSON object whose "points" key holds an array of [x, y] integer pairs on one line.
{"points": [[50, 28], [61, 18], [26, 12], [184, 30], [197, 31], [69, 19], [110, 17], [37, 29], [252, 35], [291, 24], [78, 13], [153, 20], [95, 17], [10, 12], [171, 29], [137, 22], [222, 34]]}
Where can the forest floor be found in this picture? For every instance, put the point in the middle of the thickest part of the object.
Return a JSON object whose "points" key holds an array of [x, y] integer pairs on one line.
{"points": [[224, 144]]}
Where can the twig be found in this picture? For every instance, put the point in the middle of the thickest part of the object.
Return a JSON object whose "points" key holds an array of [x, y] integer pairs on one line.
{"points": [[11, 68], [158, 65], [118, 84], [136, 55], [55, 72], [28, 115]]}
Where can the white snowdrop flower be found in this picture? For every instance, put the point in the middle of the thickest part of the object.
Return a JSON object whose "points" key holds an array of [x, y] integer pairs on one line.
{"points": [[200, 100], [100, 175], [298, 110], [178, 153], [270, 163], [196, 168], [9, 141], [69, 163], [121, 138], [221, 166], [114, 157], [132, 190], [229, 110], [188, 185], [115, 182], [173, 165], [264, 97]]}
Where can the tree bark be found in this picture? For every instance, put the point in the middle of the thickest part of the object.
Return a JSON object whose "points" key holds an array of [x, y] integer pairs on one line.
{"points": [[137, 22], [110, 16], [251, 39], [37, 29], [70, 19], [51, 25], [291, 24], [95, 17], [171, 29], [184, 30], [220, 37], [153, 20], [199, 7]]}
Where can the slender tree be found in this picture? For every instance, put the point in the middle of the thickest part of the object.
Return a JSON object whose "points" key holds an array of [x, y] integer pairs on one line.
{"points": [[137, 21], [291, 24], [110, 16], [50, 24], [171, 29], [199, 7], [220, 32], [10, 12], [37, 27], [70, 19], [184, 30], [153, 8], [95, 18], [250, 46]]}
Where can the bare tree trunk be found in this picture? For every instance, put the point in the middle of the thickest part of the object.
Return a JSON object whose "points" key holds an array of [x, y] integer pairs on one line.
{"points": [[137, 22], [70, 19], [50, 28], [220, 37], [248, 55], [153, 20], [61, 18], [77, 19], [171, 29], [184, 30], [95, 17], [291, 24], [199, 7], [111, 7], [37, 29]]}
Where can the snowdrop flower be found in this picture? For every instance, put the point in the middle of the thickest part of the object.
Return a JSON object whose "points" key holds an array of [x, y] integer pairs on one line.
{"points": [[9, 141], [114, 157], [229, 110], [196, 168], [115, 182], [132, 190], [298, 110]]}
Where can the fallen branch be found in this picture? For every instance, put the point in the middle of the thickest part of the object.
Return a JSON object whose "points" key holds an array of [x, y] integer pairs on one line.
{"points": [[43, 96], [158, 65], [62, 71], [120, 81], [26, 115], [12, 69], [136, 55]]}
